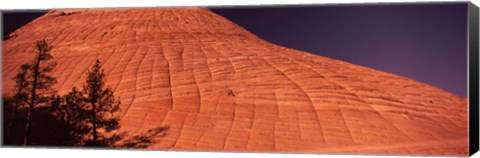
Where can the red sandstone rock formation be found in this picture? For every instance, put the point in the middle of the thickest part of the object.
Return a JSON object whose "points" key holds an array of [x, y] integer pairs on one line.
{"points": [[221, 88]]}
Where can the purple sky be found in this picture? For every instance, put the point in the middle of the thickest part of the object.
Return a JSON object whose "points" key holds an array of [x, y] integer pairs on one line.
{"points": [[425, 42]]}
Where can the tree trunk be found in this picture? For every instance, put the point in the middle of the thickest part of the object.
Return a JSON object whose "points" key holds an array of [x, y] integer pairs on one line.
{"points": [[94, 122], [94, 115], [12, 120], [70, 133], [32, 101]]}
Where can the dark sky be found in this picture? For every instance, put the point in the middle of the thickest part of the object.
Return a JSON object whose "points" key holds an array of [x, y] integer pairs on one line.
{"points": [[427, 43], [13, 20], [423, 42]]}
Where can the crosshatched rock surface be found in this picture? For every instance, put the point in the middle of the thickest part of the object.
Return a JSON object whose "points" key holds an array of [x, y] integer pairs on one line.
{"points": [[221, 88]]}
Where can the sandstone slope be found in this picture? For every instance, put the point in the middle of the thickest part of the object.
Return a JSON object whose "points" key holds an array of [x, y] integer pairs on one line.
{"points": [[221, 88]]}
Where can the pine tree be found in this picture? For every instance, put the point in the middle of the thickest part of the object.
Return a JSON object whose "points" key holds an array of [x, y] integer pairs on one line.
{"points": [[80, 118], [103, 108], [39, 82], [19, 97], [70, 109]]}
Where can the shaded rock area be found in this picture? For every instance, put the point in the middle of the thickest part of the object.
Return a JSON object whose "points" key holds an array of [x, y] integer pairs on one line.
{"points": [[221, 88]]}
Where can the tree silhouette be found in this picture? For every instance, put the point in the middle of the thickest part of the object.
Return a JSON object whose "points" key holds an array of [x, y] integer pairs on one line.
{"points": [[103, 107], [146, 139], [70, 109], [19, 97], [39, 82], [82, 117]]}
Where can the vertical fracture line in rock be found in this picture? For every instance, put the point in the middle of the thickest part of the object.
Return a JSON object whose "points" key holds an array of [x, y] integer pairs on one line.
{"points": [[376, 111], [426, 115], [278, 116], [230, 66], [336, 83], [299, 126], [181, 129], [196, 82], [153, 73], [253, 121], [169, 77], [62, 69], [137, 90], [73, 70], [115, 68], [233, 122], [86, 69], [302, 90], [209, 81], [105, 62], [200, 138], [182, 57], [327, 80], [55, 38], [206, 61], [121, 79], [65, 35], [345, 122]]}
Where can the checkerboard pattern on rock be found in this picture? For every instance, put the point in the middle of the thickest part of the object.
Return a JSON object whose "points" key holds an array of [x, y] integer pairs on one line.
{"points": [[221, 88]]}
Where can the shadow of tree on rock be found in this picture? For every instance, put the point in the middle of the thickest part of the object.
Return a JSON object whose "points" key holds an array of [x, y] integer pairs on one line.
{"points": [[144, 140], [48, 131], [36, 115]]}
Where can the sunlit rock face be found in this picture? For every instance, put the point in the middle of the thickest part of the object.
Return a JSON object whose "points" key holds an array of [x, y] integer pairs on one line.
{"points": [[221, 88]]}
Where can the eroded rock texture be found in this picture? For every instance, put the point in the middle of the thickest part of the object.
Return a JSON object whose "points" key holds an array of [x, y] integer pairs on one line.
{"points": [[222, 88]]}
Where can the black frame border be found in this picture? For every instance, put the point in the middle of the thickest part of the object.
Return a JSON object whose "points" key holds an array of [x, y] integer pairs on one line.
{"points": [[473, 94]]}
